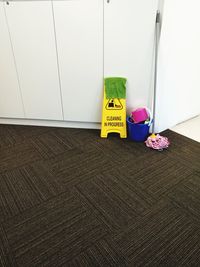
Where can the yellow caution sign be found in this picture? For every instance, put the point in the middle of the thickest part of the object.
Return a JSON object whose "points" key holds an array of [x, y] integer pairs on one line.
{"points": [[113, 117]]}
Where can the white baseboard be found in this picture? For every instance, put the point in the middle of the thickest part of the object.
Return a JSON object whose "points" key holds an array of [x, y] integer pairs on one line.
{"points": [[48, 123]]}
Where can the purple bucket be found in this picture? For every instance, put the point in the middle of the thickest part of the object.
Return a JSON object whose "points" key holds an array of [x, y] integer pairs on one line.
{"points": [[138, 132]]}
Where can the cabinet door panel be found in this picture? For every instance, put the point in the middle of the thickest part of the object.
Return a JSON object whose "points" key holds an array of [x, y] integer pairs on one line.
{"points": [[129, 42], [79, 31], [10, 99], [32, 34]]}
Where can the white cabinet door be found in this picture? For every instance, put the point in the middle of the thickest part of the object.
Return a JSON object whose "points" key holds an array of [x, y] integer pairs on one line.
{"points": [[129, 40], [32, 33], [10, 98], [79, 33]]}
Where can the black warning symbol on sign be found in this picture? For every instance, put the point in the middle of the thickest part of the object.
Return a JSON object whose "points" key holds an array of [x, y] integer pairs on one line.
{"points": [[114, 104]]}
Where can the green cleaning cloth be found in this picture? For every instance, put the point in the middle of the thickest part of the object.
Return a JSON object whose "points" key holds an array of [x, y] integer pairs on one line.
{"points": [[115, 87]]}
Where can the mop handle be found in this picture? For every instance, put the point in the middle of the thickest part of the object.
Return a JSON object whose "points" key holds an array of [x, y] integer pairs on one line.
{"points": [[156, 66]]}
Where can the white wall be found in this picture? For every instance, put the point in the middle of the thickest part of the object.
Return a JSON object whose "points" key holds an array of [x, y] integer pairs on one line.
{"points": [[178, 91], [129, 46]]}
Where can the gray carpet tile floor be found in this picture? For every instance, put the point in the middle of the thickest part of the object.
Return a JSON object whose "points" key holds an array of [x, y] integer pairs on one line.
{"points": [[70, 198]]}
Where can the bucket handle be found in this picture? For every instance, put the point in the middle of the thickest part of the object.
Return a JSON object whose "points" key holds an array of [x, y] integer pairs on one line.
{"points": [[150, 122]]}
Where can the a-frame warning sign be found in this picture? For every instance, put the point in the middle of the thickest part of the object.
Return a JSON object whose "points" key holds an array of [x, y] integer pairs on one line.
{"points": [[113, 117]]}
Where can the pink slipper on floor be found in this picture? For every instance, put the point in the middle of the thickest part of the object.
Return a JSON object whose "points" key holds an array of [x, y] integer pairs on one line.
{"points": [[157, 142]]}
